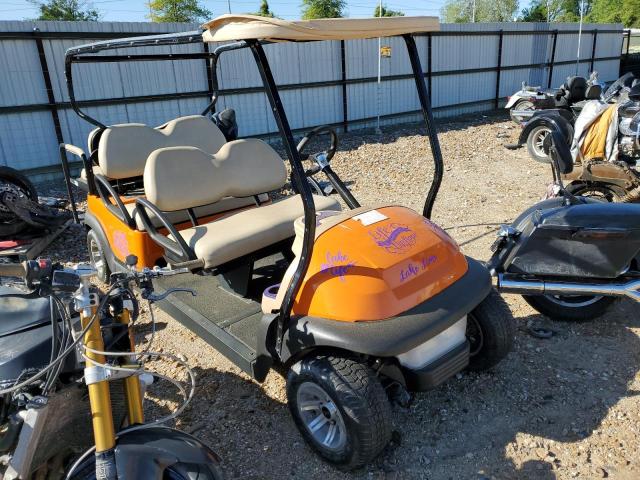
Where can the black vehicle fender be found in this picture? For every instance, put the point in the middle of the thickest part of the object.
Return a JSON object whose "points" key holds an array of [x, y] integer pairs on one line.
{"points": [[91, 222], [562, 117], [148, 452]]}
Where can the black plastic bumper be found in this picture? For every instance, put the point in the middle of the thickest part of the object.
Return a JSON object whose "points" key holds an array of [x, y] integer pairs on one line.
{"points": [[393, 336], [439, 371]]}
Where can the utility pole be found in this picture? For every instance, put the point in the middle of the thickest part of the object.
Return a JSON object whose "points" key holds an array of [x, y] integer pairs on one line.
{"points": [[378, 131], [473, 12], [548, 11], [580, 35], [229, 5]]}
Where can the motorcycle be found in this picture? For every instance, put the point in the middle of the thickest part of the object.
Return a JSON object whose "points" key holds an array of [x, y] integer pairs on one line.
{"points": [[67, 357], [570, 96], [534, 131], [570, 257]]}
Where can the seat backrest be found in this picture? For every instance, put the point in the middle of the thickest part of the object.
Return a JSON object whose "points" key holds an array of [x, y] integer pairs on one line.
{"points": [[576, 88], [593, 92], [177, 178], [123, 149]]}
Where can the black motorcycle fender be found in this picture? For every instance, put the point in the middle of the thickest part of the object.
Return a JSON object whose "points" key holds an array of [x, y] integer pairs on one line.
{"points": [[561, 116], [148, 452]]}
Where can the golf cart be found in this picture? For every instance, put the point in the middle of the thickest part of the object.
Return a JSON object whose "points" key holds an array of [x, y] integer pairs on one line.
{"points": [[355, 306]]}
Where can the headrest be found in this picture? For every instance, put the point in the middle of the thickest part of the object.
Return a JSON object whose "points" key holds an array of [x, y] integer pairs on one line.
{"points": [[177, 178], [123, 149]]}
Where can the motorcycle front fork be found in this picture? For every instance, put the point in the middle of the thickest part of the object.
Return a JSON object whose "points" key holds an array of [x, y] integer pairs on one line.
{"points": [[97, 378]]}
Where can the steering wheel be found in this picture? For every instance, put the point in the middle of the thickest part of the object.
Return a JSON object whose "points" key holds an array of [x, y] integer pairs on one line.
{"points": [[320, 158]]}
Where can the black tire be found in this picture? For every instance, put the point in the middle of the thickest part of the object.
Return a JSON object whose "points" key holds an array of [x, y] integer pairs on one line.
{"points": [[559, 308], [354, 396], [97, 257], [490, 331], [11, 179], [598, 191], [534, 144]]}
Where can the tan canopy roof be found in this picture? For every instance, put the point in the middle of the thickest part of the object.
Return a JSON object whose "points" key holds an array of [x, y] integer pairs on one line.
{"points": [[245, 27]]}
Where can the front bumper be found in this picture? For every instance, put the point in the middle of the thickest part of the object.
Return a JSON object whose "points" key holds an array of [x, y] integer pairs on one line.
{"points": [[435, 373]]}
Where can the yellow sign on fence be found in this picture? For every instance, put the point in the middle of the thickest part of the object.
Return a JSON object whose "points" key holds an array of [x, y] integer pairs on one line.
{"points": [[385, 51]]}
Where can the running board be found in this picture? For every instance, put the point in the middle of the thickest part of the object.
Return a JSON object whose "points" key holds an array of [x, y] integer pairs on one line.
{"points": [[507, 284]]}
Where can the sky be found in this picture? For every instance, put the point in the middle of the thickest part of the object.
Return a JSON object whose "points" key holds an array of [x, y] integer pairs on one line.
{"points": [[136, 10]]}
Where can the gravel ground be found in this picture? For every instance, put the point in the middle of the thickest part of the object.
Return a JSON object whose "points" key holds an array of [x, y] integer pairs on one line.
{"points": [[565, 407]]}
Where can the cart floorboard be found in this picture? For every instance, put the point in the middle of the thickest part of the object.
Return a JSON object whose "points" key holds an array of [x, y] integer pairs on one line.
{"points": [[225, 320]]}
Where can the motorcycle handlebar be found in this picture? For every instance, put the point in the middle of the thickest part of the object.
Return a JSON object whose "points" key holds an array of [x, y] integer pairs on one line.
{"points": [[13, 270]]}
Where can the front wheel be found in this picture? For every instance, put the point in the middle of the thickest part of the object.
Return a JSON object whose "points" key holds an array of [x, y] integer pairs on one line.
{"points": [[490, 332], [570, 308], [178, 471], [535, 144], [341, 409]]}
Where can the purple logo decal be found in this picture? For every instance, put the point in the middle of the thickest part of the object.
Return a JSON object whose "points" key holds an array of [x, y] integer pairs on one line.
{"points": [[337, 265], [413, 269], [394, 237]]}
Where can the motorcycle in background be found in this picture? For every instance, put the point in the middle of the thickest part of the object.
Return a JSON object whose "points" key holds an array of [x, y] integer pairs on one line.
{"points": [[534, 130], [67, 358], [570, 96], [570, 257]]}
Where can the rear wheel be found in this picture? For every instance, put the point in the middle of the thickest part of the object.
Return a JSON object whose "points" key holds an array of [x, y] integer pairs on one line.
{"points": [[341, 409], [520, 105], [97, 256], [596, 191], [535, 144], [571, 308], [490, 332]]}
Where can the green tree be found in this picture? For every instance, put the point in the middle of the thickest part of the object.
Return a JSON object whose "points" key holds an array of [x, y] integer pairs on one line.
{"points": [[465, 11], [72, 10], [177, 11], [386, 12], [606, 11], [264, 10], [541, 10], [631, 13], [322, 9]]}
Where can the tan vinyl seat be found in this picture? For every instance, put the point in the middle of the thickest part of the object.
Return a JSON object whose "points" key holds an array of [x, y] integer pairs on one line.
{"points": [[245, 232], [241, 168], [181, 216], [123, 150]]}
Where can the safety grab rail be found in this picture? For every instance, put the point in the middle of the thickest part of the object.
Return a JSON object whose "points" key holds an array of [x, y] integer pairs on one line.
{"points": [[178, 249], [106, 191]]}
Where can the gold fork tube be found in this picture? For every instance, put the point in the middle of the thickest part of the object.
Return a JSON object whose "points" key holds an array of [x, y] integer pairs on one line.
{"points": [[99, 396], [132, 391]]}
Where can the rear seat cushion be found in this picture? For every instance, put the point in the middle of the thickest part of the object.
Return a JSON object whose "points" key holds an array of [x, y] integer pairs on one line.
{"points": [[178, 178], [245, 232], [180, 216], [123, 149]]}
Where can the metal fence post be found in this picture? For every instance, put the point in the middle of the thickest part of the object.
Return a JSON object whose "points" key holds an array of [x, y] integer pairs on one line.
{"points": [[553, 58], [593, 49], [49, 89], [498, 69], [343, 73]]}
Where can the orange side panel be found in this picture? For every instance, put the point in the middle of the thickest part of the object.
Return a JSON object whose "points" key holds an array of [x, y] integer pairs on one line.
{"points": [[371, 272], [122, 239]]}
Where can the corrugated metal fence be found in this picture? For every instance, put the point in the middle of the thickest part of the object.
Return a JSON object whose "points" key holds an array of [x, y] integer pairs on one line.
{"points": [[469, 67]]}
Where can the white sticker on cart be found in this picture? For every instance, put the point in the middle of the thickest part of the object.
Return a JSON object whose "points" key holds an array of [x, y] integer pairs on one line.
{"points": [[370, 217]]}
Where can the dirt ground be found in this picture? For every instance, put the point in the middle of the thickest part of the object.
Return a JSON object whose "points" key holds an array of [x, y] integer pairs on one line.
{"points": [[565, 407]]}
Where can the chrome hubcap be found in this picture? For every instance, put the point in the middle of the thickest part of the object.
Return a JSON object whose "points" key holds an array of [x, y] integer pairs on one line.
{"points": [[538, 141], [97, 259], [321, 416], [574, 301]]}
